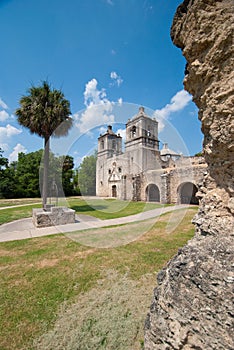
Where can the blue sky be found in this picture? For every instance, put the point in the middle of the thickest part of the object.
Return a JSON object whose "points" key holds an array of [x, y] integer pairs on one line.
{"points": [[107, 56]]}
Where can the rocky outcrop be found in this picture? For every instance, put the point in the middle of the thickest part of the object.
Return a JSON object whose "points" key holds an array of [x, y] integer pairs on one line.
{"points": [[192, 306], [204, 32]]}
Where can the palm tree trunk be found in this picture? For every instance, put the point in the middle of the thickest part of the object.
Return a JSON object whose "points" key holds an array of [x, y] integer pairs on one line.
{"points": [[45, 172]]}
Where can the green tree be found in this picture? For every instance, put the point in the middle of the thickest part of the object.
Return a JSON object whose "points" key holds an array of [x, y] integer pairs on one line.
{"points": [[45, 112], [61, 175], [20, 179], [6, 178], [27, 174], [3, 161], [8, 186], [87, 175], [75, 182], [67, 176]]}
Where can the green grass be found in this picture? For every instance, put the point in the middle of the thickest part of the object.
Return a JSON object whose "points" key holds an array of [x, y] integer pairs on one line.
{"points": [[11, 214], [100, 208], [109, 208], [19, 201], [44, 280]]}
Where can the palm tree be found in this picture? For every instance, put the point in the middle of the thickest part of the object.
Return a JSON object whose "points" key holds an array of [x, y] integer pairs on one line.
{"points": [[46, 113]]}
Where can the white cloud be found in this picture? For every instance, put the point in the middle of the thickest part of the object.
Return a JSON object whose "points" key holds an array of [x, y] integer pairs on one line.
{"points": [[8, 131], [120, 101], [110, 2], [98, 108], [96, 115], [4, 146], [113, 75], [178, 102], [122, 133], [3, 116], [117, 80], [92, 95], [102, 130], [3, 104], [16, 150]]}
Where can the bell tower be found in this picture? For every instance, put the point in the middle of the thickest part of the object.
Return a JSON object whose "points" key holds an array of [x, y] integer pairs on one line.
{"points": [[109, 144], [109, 149], [141, 130], [142, 140]]}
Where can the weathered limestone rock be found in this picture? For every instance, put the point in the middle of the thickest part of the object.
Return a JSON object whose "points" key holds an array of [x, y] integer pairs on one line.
{"points": [[54, 216], [204, 32], [192, 306]]}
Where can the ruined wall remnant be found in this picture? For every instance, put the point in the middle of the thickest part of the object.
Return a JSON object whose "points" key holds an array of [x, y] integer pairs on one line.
{"points": [[204, 32], [192, 306]]}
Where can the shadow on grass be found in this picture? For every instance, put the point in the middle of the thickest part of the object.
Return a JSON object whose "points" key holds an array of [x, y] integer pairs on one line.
{"points": [[84, 208]]}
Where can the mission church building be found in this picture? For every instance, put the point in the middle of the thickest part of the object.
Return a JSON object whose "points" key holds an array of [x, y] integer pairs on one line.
{"points": [[142, 172]]}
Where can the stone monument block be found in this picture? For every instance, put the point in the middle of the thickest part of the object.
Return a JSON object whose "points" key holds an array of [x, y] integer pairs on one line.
{"points": [[54, 216]]}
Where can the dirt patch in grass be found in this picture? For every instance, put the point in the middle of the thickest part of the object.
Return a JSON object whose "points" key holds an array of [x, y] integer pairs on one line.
{"points": [[84, 254], [109, 316], [47, 263], [54, 261], [5, 252]]}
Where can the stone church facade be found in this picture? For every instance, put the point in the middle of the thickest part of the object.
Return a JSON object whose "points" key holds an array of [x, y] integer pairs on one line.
{"points": [[142, 172]]}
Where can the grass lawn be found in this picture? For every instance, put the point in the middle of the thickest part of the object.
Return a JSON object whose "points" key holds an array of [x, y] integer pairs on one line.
{"points": [[58, 294], [100, 208], [18, 201], [109, 208], [11, 214]]}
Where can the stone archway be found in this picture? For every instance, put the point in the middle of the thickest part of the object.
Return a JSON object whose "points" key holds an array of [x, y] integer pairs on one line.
{"points": [[187, 193], [152, 193], [114, 191]]}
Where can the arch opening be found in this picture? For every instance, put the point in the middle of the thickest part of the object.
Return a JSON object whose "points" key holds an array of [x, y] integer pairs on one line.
{"points": [[187, 193], [152, 193]]}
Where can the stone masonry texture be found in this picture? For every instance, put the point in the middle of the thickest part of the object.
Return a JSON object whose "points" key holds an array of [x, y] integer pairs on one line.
{"points": [[192, 306]]}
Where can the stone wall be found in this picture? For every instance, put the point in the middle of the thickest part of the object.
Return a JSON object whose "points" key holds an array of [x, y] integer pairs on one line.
{"points": [[167, 179], [181, 175], [192, 306]]}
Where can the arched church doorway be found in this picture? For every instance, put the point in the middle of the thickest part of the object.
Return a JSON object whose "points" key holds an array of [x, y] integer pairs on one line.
{"points": [[114, 191], [152, 193], [187, 193]]}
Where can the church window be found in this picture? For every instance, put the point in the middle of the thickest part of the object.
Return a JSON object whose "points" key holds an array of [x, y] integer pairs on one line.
{"points": [[109, 171], [120, 169], [133, 131], [102, 144]]}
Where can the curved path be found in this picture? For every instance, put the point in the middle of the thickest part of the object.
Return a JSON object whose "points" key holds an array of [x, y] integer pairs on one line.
{"points": [[24, 228]]}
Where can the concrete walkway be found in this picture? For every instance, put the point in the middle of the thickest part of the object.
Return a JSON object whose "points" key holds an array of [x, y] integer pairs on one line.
{"points": [[24, 228]]}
